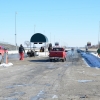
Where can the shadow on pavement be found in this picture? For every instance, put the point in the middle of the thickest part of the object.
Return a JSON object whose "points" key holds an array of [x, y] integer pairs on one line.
{"points": [[40, 60]]}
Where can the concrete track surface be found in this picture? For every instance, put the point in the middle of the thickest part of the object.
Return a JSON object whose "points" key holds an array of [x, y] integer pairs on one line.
{"points": [[37, 78]]}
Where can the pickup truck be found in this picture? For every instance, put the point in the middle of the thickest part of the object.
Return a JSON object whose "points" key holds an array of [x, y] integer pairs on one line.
{"points": [[57, 53]]}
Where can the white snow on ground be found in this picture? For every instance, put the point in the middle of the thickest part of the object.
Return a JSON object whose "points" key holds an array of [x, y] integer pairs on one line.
{"points": [[14, 52], [54, 97], [39, 96], [42, 54], [95, 54], [84, 81], [6, 65]]}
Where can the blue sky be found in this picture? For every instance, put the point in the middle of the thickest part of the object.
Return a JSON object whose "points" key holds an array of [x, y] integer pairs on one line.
{"points": [[69, 22]]}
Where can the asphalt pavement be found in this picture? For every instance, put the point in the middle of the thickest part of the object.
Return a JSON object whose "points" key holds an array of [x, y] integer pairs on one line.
{"points": [[36, 78]]}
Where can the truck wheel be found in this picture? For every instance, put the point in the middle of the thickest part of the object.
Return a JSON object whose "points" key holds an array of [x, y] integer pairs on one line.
{"points": [[50, 60], [63, 60]]}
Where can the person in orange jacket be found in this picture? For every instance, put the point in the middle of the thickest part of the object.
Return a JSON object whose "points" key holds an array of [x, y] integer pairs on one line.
{"points": [[21, 52]]}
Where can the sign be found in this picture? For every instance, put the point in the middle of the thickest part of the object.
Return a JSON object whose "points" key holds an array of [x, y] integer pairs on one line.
{"points": [[56, 44], [88, 43]]}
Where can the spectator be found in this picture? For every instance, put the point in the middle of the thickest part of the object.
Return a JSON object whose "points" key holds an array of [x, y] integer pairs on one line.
{"points": [[50, 47], [72, 51], [32, 53], [21, 52], [86, 48], [98, 51], [42, 49], [0, 58]]}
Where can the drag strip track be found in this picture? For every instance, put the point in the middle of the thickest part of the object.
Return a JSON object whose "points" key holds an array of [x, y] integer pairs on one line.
{"points": [[39, 76], [36, 78]]}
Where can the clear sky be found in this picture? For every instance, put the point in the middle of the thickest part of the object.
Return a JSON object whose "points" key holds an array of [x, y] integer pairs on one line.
{"points": [[69, 22]]}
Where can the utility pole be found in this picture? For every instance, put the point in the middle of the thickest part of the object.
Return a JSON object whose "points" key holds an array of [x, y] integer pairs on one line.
{"points": [[54, 39], [50, 37], [15, 31], [98, 36], [33, 43], [34, 28]]}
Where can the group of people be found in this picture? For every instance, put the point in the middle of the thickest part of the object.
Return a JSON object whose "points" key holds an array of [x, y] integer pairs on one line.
{"points": [[22, 51]]}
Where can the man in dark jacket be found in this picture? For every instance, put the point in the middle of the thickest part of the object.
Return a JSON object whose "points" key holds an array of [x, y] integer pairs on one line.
{"points": [[50, 47], [21, 52], [98, 51]]}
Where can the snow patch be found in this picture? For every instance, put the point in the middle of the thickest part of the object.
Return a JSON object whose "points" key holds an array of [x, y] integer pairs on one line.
{"points": [[6, 65], [84, 81], [9, 98], [95, 54], [54, 97], [39, 96]]}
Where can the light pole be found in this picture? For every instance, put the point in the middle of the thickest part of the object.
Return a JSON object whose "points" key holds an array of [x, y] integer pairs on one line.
{"points": [[15, 31], [54, 39], [50, 37], [34, 28], [34, 33], [98, 36], [44, 32]]}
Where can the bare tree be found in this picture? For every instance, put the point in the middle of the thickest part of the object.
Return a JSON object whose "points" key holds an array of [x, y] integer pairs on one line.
{"points": [[27, 43]]}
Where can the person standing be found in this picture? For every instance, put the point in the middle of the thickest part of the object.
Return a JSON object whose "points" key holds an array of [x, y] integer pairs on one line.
{"points": [[86, 48], [50, 47], [21, 52], [98, 51], [0, 58]]}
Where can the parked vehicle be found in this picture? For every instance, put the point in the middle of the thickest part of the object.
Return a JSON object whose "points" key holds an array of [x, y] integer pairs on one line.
{"points": [[42, 49], [3, 50], [57, 53], [31, 53]]}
